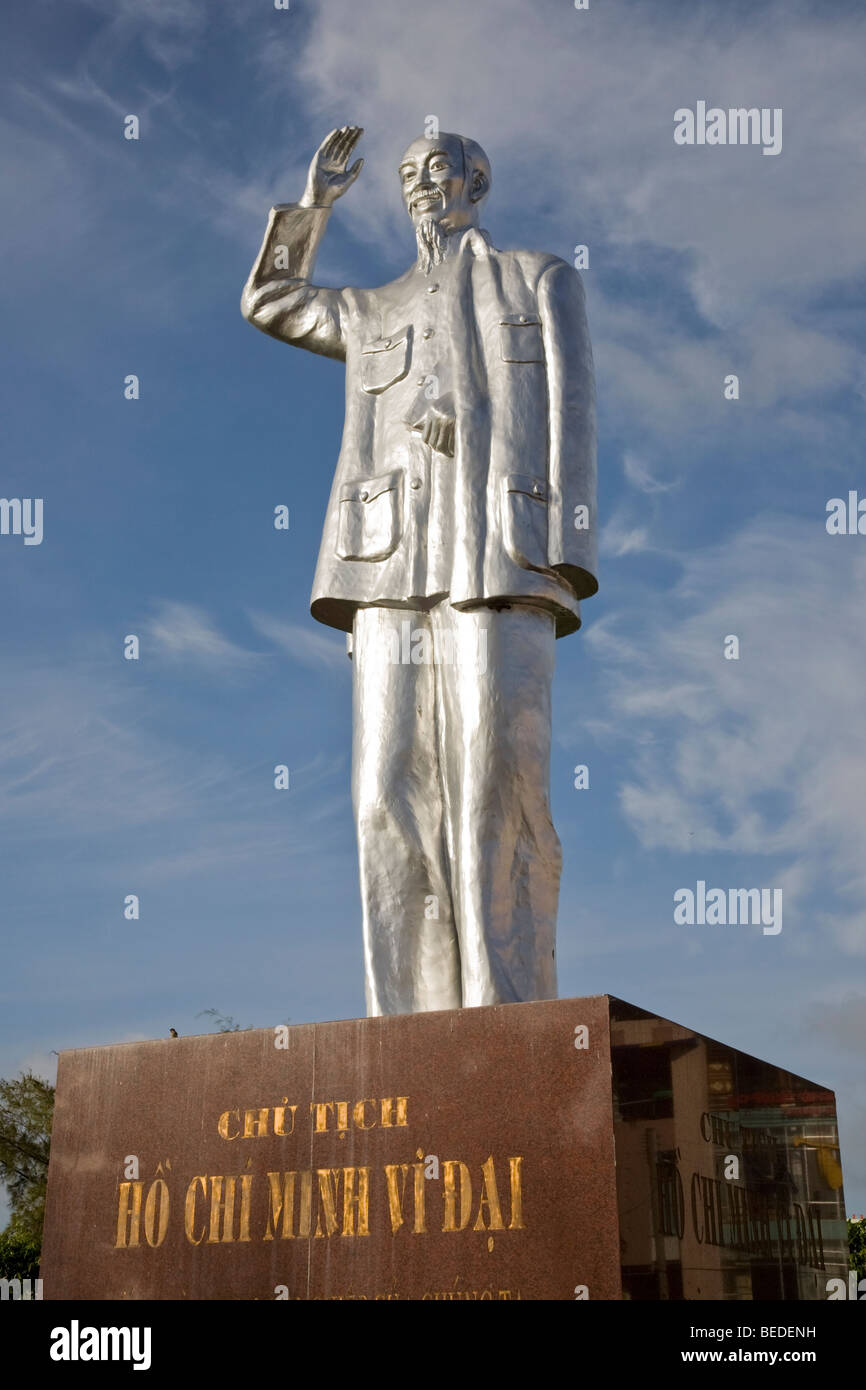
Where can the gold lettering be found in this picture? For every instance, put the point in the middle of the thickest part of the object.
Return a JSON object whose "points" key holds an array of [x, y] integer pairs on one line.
{"points": [[490, 1199], [246, 1184], [306, 1203], [320, 1110], [468, 1295], [329, 1183], [342, 1108], [516, 1222], [256, 1123], [420, 1227], [223, 1123], [282, 1204], [189, 1211], [395, 1178], [280, 1116], [359, 1115], [157, 1201], [450, 1169], [394, 1114], [222, 1211], [356, 1204], [128, 1214]]}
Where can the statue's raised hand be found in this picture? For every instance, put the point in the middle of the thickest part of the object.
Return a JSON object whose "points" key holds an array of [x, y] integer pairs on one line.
{"points": [[328, 177]]}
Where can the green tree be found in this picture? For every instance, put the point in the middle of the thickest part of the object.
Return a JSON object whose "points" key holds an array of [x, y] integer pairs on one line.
{"points": [[19, 1256], [26, 1109]]}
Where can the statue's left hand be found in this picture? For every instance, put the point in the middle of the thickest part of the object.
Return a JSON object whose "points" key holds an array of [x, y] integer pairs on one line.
{"points": [[436, 425]]}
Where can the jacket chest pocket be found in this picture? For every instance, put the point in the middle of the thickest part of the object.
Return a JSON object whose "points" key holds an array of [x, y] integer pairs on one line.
{"points": [[371, 514], [520, 338], [384, 361], [525, 500]]}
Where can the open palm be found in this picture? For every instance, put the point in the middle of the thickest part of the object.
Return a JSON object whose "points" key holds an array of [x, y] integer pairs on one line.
{"points": [[329, 177]]}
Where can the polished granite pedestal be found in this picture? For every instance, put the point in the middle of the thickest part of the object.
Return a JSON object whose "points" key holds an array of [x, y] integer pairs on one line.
{"points": [[572, 1149]]}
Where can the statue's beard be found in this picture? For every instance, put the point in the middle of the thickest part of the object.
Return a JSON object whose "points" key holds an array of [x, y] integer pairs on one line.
{"points": [[432, 241]]}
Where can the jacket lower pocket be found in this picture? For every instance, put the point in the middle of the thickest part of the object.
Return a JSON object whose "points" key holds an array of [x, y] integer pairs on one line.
{"points": [[370, 521], [524, 507]]}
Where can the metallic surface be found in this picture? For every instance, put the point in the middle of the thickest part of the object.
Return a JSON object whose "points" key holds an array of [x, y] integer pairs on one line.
{"points": [[456, 841], [466, 491], [551, 1150]]}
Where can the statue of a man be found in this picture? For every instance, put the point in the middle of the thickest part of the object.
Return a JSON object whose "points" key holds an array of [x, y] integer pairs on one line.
{"points": [[459, 539]]}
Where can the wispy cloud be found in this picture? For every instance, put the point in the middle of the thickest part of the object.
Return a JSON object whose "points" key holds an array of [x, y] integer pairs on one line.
{"points": [[618, 537], [761, 755], [321, 649], [183, 632], [75, 756], [638, 473]]}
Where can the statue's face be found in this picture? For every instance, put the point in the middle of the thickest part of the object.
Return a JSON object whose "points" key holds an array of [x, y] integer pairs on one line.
{"points": [[434, 184]]}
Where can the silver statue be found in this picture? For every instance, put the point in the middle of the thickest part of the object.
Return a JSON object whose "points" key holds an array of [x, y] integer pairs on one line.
{"points": [[459, 539]]}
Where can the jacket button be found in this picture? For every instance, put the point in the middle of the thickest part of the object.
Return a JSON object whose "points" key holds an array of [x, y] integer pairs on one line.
{"points": [[431, 289], [522, 318], [428, 332], [387, 342], [364, 495], [537, 489], [415, 483]]}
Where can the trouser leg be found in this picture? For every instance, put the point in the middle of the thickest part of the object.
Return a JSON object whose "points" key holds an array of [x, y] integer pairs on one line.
{"points": [[410, 945], [494, 702]]}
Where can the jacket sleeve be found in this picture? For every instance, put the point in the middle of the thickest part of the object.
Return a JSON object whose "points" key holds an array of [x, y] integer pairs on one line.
{"points": [[572, 514], [278, 297]]}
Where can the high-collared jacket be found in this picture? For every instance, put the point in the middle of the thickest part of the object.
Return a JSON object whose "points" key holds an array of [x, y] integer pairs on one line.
{"points": [[499, 341]]}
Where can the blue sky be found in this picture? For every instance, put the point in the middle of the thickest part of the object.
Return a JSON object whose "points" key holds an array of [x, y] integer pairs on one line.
{"points": [[156, 777]]}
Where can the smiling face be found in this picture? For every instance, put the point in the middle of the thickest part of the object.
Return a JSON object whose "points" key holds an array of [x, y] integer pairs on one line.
{"points": [[436, 184]]}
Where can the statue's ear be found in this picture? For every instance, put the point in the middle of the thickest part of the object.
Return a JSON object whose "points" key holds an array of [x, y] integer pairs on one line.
{"points": [[480, 186]]}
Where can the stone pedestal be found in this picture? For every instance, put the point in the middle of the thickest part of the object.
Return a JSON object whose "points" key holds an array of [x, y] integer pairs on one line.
{"points": [[580, 1148]]}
